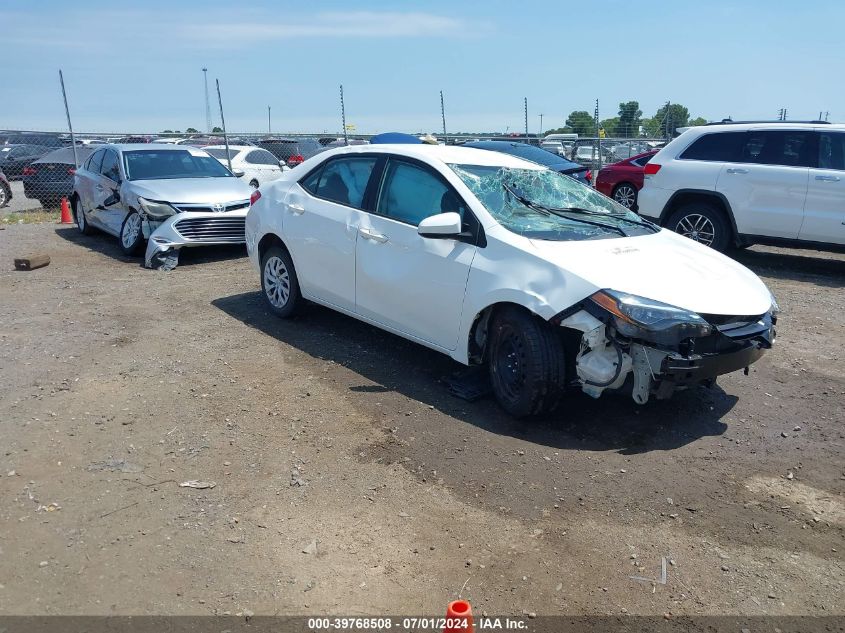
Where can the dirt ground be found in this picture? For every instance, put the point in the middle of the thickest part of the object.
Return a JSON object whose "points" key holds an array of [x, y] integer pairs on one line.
{"points": [[347, 480]]}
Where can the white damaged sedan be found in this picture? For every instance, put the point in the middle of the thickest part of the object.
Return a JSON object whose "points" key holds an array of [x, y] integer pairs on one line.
{"points": [[497, 261]]}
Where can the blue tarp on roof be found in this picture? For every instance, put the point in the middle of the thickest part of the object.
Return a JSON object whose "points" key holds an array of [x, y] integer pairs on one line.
{"points": [[395, 138]]}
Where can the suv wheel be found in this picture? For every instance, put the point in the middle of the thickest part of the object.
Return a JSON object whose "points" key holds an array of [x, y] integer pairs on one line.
{"points": [[703, 223], [525, 359]]}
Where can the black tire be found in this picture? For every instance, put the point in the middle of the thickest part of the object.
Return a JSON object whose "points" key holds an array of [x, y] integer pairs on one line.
{"points": [[279, 284], [131, 234], [80, 217], [625, 194], [704, 223], [253, 183], [526, 362], [5, 195]]}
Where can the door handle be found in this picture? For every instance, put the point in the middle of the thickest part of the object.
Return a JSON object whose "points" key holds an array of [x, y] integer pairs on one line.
{"points": [[376, 237], [828, 178], [297, 209], [99, 187], [736, 170]]}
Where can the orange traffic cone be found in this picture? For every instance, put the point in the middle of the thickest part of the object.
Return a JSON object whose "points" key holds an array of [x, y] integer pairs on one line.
{"points": [[66, 217], [458, 617]]}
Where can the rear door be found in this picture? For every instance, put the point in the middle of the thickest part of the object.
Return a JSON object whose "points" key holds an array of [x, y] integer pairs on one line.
{"points": [[766, 185], [824, 211], [411, 284], [106, 185], [320, 224], [86, 180]]}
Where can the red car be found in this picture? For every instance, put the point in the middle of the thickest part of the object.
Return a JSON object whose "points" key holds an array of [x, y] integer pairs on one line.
{"points": [[622, 181]]}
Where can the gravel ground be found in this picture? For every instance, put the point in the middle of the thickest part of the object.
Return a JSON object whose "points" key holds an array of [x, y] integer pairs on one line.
{"points": [[347, 480]]}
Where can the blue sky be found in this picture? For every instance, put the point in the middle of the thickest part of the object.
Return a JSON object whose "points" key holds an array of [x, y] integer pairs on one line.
{"points": [[136, 66]]}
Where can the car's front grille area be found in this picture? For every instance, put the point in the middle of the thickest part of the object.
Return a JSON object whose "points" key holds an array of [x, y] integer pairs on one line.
{"points": [[207, 208], [221, 229]]}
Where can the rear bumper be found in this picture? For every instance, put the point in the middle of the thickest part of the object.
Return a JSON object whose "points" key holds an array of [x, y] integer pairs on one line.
{"points": [[39, 190], [193, 229], [651, 201]]}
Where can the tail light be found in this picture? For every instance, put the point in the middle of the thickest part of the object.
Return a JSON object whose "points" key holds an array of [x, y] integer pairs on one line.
{"points": [[71, 171], [651, 169], [29, 171], [253, 198], [294, 160], [589, 176]]}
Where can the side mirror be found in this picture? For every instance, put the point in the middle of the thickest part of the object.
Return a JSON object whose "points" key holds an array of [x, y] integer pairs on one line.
{"points": [[442, 226], [239, 173], [113, 199]]}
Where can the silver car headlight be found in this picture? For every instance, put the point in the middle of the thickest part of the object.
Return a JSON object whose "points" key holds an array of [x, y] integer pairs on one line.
{"points": [[650, 320], [156, 210], [775, 309]]}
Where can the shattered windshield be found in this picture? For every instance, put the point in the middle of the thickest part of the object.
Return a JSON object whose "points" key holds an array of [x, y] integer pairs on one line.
{"points": [[543, 204]]}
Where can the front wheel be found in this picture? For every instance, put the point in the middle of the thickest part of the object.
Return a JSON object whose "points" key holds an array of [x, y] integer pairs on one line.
{"points": [[131, 234], [525, 359], [279, 283], [702, 223], [626, 195]]}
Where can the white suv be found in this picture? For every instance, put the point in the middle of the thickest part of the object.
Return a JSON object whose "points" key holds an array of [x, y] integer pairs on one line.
{"points": [[738, 184]]}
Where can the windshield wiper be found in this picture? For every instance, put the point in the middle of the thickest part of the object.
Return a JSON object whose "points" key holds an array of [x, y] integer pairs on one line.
{"points": [[617, 216], [561, 212]]}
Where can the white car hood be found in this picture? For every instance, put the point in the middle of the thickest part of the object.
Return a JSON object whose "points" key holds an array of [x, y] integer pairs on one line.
{"points": [[666, 267], [192, 190]]}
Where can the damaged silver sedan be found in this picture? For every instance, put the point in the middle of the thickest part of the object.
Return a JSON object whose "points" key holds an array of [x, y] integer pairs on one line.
{"points": [[165, 195]]}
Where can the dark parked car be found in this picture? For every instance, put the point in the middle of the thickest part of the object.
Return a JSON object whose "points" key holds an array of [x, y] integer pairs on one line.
{"points": [[5, 190], [622, 181], [537, 155], [292, 150], [46, 139], [13, 158], [50, 178]]}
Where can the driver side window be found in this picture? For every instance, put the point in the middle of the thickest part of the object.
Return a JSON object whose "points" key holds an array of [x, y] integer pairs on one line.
{"points": [[411, 193]]}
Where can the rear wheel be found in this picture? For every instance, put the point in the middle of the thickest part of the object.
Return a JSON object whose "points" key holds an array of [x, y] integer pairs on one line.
{"points": [[279, 283], [525, 359], [131, 235], [80, 217], [703, 223], [5, 195], [625, 194]]}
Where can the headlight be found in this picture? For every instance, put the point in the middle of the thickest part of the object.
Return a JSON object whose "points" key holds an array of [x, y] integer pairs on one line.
{"points": [[650, 320], [775, 309], [156, 210]]}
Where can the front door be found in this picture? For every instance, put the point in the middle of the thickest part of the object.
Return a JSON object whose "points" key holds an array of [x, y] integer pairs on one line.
{"points": [[767, 186], [322, 214], [411, 284], [824, 211]]}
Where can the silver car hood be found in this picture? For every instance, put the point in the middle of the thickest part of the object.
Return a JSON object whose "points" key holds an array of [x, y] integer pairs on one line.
{"points": [[191, 190]]}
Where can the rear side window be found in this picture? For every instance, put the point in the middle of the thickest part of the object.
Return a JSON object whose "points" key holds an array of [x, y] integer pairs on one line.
{"points": [[110, 168], [719, 147], [261, 157], [776, 147], [93, 163], [343, 180], [832, 151]]}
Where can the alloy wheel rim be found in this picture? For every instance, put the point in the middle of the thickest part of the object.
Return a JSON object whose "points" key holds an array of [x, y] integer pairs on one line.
{"points": [[276, 282], [698, 228], [625, 196], [2, 196], [131, 230]]}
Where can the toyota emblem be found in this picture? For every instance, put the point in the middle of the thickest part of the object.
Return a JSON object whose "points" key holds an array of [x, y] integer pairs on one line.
{"points": [[217, 206]]}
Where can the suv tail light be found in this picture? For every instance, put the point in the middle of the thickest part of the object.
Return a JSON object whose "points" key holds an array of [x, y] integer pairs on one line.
{"points": [[651, 169], [71, 171], [589, 176], [253, 198], [294, 160], [29, 171]]}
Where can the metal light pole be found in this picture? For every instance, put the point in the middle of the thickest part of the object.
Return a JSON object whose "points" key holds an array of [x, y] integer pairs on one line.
{"points": [[541, 124], [69, 125], [223, 123], [525, 100], [269, 130], [443, 115], [207, 102], [343, 117]]}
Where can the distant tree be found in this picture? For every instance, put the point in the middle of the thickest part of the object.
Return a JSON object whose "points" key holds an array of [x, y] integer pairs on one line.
{"points": [[581, 122], [216, 129], [630, 117], [191, 130], [671, 118], [167, 132], [558, 130], [611, 127], [698, 121]]}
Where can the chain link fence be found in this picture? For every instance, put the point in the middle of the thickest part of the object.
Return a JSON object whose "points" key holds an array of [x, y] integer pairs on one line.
{"points": [[38, 167]]}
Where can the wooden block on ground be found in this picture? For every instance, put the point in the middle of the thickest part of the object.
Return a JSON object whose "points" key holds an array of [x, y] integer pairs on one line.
{"points": [[32, 262]]}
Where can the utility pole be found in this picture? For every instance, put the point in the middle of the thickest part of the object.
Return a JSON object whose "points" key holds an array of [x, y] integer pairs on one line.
{"points": [[526, 118], [69, 124], [541, 124], [207, 102], [343, 117], [598, 132], [223, 124], [443, 115], [269, 131]]}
